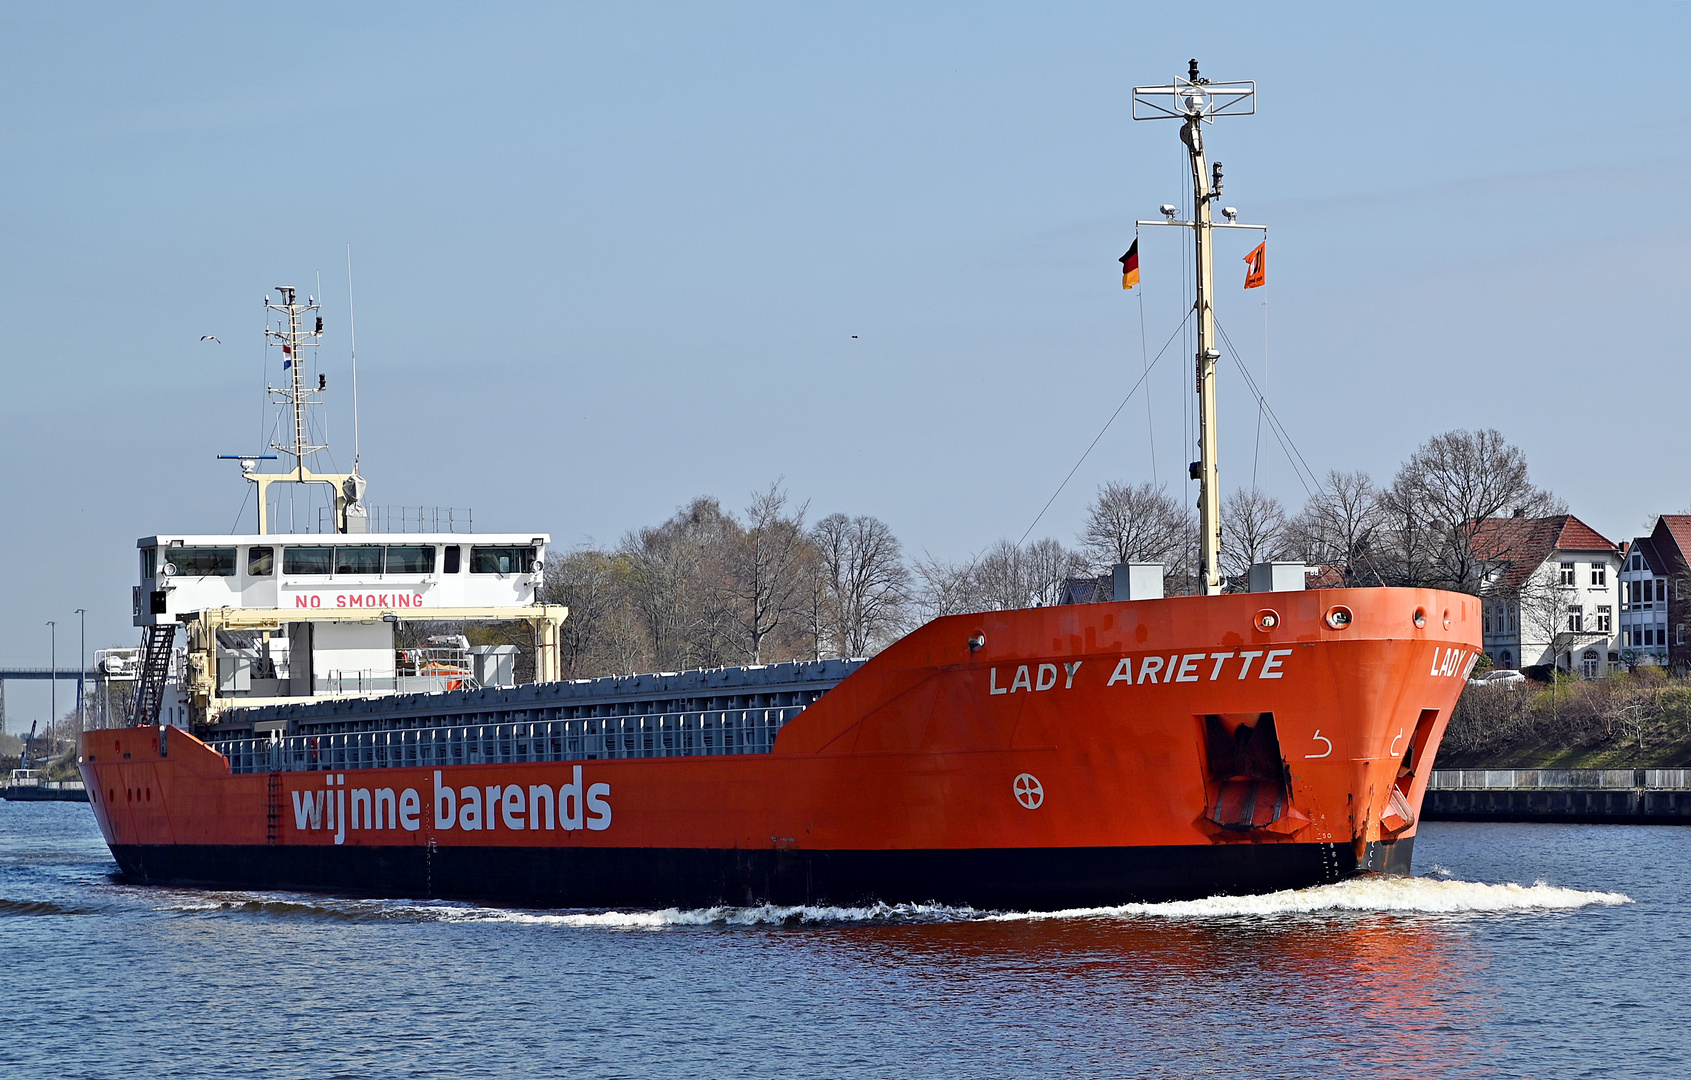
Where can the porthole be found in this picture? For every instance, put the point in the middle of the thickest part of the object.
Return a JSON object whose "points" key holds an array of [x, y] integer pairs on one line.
{"points": [[1339, 617], [1267, 619], [1420, 617]]}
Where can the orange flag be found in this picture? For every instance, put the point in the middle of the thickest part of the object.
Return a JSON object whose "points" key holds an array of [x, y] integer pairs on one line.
{"points": [[1258, 259]]}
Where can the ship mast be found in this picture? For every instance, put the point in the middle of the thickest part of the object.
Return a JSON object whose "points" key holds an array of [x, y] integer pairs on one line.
{"points": [[296, 398], [1196, 101]]}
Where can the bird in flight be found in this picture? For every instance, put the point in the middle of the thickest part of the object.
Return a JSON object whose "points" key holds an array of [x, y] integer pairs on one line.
{"points": [[208, 337]]}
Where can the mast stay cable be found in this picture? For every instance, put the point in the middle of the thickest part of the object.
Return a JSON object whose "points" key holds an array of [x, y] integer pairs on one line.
{"points": [[1103, 429], [1294, 456]]}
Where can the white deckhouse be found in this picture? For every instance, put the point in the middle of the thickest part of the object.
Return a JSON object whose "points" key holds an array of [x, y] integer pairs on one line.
{"points": [[273, 619]]}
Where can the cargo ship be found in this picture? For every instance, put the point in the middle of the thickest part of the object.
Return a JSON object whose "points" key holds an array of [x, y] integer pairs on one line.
{"points": [[1139, 748]]}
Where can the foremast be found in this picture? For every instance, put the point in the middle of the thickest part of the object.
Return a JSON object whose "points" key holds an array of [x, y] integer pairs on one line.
{"points": [[1195, 101], [1205, 189]]}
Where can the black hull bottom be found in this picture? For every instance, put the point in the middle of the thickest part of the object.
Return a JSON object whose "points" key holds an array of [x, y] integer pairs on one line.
{"points": [[1016, 878]]}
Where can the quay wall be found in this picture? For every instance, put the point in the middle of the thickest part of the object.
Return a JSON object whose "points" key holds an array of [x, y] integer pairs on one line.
{"points": [[1567, 796]]}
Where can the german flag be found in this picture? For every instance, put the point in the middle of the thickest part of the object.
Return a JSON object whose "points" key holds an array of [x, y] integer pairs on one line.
{"points": [[1130, 266], [1258, 262]]}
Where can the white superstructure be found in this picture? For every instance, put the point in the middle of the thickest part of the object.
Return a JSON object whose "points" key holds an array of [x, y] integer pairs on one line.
{"points": [[327, 572], [275, 618]]}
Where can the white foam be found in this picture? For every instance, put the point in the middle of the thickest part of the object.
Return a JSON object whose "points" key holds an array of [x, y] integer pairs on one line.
{"points": [[760, 915], [1369, 894], [1394, 895]]}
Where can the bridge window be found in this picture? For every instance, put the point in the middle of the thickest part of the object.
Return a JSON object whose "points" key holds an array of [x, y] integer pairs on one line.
{"points": [[410, 559], [307, 560], [204, 561], [361, 559], [261, 561], [501, 560], [149, 562], [451, 566]]}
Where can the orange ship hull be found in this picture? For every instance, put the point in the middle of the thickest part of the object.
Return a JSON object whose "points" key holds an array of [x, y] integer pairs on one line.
{"points": [[1078, 755]]}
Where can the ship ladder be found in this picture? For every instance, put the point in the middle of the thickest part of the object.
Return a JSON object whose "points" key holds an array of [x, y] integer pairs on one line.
{"points": [[156, 644], [273, 811]]}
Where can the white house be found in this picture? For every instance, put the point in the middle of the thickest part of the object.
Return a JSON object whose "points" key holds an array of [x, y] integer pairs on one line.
{"points": [[1550, 592]]}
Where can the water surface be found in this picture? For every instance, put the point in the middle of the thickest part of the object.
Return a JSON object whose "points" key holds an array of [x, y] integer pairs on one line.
{"points": [[1522, 950]]}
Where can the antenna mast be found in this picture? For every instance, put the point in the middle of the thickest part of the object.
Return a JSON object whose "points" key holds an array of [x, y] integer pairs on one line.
{"points": [[1196, 101], [352, 333], [293, 336]]}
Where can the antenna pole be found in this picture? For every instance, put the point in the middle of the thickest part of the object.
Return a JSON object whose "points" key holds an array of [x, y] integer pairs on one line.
{"points": [[352, 334], [1209, 486]]}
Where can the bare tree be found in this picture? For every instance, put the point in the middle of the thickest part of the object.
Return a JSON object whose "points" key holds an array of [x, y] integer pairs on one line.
{"points": [[1412, 536], [1046, 566], [1134, 523], [1004, 577], [675, 583], [1253, 527], [1000, 579], [1453, 483], [1340, 526], [766, 567], [867, 584], [586, 582], [945, 588]]}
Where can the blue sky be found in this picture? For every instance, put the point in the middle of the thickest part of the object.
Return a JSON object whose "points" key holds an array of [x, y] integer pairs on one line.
{"points": [[611, 257]]}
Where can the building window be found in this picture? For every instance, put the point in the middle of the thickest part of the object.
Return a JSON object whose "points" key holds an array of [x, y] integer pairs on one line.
{"points": [[1486, 629], [1576, 618], [1588, 664], [1637, 561], [1649, 635], [1649, 586], [1605, 619], [1599, 574], [1567, 573], [1504, 660], [1679, 632]]}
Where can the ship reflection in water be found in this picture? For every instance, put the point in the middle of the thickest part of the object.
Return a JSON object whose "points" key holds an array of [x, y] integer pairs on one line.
{"points": [[1454, 974]]}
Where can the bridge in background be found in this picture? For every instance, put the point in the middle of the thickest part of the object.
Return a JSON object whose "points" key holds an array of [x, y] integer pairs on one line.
{"points": [[80, 678]]}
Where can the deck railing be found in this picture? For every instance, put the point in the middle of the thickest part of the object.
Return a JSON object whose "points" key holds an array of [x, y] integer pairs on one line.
{"points": [[45, 785], [727, 731]]}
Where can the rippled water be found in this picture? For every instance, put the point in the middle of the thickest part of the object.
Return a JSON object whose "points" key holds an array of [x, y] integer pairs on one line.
{"points": [[1524, 950]]}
